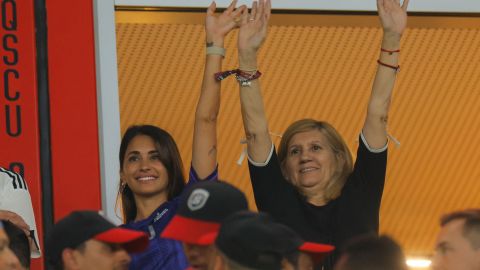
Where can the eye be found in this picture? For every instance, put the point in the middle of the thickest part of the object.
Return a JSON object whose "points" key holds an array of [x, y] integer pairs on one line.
{"points": [[294, 151], [155, 157], [316, 147], [133, 158]]}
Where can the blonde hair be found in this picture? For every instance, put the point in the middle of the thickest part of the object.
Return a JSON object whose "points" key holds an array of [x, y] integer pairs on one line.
{"points": [[343, 156]]}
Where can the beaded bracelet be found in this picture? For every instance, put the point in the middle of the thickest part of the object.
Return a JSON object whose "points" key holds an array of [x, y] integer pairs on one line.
{"points": [[245, 78], [242, 77]]}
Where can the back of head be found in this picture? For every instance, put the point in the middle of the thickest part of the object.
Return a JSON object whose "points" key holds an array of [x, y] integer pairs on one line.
{"points": [[169, 156], [202, 208], [471, 226], [336, 143], [372, 253], [19, 243], [246, 242]]}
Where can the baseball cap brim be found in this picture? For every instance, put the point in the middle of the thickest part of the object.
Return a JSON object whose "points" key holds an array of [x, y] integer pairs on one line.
{"points": [[132, 241], [317, 251], [190, 230]]}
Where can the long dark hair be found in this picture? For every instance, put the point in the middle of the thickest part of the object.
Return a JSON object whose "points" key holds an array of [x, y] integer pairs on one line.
{"points": [[169, 156]]}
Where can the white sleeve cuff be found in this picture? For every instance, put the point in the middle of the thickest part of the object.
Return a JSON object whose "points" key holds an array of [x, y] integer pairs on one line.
{"points": [[262, 164], [379, 150]]}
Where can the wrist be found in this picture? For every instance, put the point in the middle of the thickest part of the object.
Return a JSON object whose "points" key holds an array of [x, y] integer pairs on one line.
{"points": [[247, 62], [391, 41], [214, 41]]}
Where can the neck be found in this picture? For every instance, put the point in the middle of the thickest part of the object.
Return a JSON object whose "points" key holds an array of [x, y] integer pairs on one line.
{"points": [[315, 196], [146, 205]]}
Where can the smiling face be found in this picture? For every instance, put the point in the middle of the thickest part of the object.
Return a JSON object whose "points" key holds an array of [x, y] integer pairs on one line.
{"points": [[310, 162], [143, 171]]}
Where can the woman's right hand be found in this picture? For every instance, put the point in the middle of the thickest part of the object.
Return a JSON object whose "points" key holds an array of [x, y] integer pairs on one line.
{"points": [[253, 27], [217, 27]]}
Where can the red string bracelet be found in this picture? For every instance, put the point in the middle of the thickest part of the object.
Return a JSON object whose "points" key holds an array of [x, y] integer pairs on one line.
{"points": [[390, 51], [396, 68]]}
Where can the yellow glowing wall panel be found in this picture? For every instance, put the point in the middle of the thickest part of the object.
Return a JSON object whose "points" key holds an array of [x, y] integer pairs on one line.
{"points": [[322, 66]]}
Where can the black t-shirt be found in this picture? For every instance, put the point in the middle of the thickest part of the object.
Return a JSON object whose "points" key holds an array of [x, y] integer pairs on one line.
{"points": [[354, 212]]}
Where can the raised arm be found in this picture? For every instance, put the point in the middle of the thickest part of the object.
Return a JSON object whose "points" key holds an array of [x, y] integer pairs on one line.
{"points": [[253, 31], [204, 150], [393, 17]]}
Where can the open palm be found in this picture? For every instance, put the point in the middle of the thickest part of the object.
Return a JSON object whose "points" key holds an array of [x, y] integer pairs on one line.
{"points": [[253, 26]]}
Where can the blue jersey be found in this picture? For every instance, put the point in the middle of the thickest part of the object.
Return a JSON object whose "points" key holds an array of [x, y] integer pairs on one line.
{"points": [[166, 254]]}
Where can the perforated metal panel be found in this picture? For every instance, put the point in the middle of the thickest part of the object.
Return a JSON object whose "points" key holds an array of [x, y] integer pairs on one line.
{"points": [[322, 66]]}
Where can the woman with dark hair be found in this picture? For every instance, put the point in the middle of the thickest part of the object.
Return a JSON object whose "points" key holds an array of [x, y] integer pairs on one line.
{"points": [[312, 185], [151, 172]]}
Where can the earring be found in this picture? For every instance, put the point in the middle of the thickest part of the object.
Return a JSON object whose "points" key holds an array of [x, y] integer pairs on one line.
{"points": [[123, 186]]}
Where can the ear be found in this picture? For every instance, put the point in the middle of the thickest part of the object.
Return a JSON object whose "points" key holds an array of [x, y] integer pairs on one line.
{"points": [[69, 259], [340, 161]]}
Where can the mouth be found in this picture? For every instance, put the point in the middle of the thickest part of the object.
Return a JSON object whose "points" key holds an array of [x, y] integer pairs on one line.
{"points": [[145, 178], [307, 170]]}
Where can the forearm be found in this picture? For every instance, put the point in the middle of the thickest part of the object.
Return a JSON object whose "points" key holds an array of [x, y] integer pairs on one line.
{"points": [[380, 98], [253, 112], [204, 151]]}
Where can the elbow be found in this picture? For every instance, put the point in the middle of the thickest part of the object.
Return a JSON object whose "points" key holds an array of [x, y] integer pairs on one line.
{"points": [[252, 136]]}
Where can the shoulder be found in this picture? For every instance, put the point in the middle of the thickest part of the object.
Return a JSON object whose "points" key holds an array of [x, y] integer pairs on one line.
{"points": [[10, 179]]}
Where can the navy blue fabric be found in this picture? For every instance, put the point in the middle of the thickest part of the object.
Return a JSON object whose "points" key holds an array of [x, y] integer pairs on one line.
{"points": [[162, 253]]}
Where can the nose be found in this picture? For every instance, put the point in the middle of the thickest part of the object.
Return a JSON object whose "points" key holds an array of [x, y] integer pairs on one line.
{"points": [[122, 257], [145, 164], [305, 157], [190, 250]]}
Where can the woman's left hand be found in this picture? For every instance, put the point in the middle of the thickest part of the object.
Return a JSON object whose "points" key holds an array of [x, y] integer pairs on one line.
{"points": [[253, 26]]}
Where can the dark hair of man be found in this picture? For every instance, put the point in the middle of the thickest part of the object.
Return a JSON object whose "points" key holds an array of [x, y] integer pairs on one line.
{"points": [[169, 156], [58, 265], [373, 252], [292, 258], [471, 227], [19, 243]]}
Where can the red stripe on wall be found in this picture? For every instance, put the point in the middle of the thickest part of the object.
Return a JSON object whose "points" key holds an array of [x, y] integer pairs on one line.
{"points": [[73, 106], [19, 136]]}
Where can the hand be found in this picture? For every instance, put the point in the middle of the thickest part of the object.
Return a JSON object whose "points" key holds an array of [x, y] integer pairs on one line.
{"points": [[393, 16], [217, 28], [16, 220], [253, 26]]}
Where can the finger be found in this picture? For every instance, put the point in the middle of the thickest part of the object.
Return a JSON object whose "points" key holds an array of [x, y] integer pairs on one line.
{"points": [[268, 9], [380, 5], [253, 12], [261, 6], [405, 4], [238, 11], [232, 5], [244, 16], [211, 8]]}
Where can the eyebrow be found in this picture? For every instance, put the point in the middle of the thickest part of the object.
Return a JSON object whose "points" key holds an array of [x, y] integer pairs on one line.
{"points": [[138, 152], [312, 142]]}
